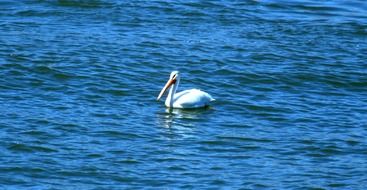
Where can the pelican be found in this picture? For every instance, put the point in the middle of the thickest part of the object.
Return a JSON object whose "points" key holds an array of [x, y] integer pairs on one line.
{"points": [[192, 98]]}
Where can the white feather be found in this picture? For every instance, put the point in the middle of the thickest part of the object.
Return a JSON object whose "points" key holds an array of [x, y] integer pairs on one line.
{"points": [[193, 98]]}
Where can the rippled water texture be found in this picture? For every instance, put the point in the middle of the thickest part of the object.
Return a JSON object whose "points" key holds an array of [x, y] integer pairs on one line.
{"points": [[79, 81]]}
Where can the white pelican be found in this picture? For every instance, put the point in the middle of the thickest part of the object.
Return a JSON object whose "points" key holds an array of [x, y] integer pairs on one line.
{"points": [[193, 98]]}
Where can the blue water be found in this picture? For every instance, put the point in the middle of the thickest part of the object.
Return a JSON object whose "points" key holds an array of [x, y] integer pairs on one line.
{"points": [[79, 81]]}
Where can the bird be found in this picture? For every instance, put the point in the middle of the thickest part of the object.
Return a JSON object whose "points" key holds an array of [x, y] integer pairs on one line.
{"points": [[193, 98]]}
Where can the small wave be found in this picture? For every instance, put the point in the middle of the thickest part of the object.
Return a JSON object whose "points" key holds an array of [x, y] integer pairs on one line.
{"points": [[30, 148], [83, 3]]}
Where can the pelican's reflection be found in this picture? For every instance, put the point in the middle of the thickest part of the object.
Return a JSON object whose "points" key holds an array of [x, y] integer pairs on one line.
{"points": [[182, 117]]}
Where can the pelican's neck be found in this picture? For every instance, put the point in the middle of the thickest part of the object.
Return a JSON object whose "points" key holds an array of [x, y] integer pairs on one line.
{"points": [[171, 94]]}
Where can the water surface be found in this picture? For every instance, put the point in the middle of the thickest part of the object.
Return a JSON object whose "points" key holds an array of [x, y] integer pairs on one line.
{"points": [[79, 81]]}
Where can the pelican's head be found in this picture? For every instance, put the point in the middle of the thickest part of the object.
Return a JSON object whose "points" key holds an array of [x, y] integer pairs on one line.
{"points": [[173, 78]]}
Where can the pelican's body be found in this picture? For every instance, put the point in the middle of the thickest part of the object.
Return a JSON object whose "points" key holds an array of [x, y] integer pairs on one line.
{"points": [[193, 98]]}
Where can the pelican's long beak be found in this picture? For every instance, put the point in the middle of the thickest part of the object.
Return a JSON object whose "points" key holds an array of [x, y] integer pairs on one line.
{"points": [[168, 84]]}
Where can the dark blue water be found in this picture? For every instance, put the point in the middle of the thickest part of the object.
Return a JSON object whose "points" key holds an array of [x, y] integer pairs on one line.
{"points": [[79, 81]]}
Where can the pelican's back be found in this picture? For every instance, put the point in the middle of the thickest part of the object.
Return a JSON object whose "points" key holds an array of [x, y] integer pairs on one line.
{"points": [[193, 98]]}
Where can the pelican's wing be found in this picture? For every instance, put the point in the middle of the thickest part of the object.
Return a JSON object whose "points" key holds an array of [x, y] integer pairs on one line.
{"points": [[193, 98]]}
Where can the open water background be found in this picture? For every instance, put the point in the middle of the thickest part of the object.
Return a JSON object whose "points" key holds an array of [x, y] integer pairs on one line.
{"points": [[79, 79]]}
